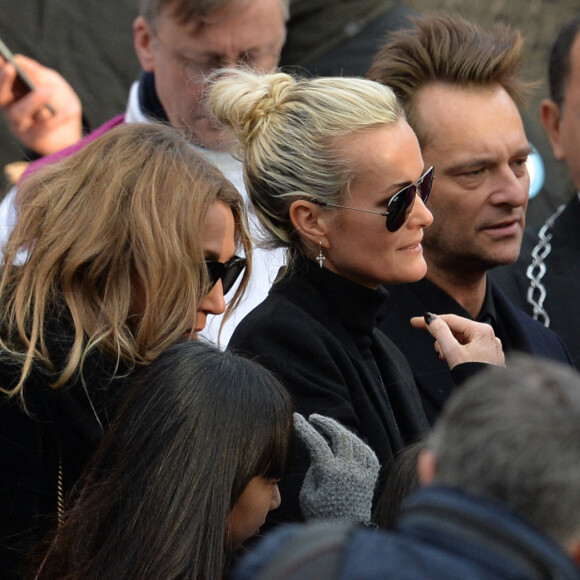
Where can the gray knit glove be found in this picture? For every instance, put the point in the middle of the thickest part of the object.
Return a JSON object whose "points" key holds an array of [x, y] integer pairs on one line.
{"points": [[340, 481]]}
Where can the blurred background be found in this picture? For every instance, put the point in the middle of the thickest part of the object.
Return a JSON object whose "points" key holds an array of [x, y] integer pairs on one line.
{"points": [[90, 43]]}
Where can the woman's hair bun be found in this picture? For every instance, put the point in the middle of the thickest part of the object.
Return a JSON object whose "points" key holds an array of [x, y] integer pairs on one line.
{"points": [[245, 102]]}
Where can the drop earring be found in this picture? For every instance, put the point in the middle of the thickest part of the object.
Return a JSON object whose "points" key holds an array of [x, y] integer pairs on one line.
{"points": [[321, 257]]}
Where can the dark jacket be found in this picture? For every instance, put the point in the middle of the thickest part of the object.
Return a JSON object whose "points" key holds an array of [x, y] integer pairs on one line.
{"points": [[329, 38], [315, 331], [435, 382], [441, 533], [560, 280], [62, 427]]}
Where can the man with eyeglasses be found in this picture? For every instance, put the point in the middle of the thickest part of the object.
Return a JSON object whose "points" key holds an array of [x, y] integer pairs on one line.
{"points": [[179, 43], [460, 90]]}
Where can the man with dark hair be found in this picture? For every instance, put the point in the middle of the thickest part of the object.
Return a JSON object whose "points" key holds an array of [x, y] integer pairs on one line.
{"points": [[460, 89], [499, 496], [545, 281]]}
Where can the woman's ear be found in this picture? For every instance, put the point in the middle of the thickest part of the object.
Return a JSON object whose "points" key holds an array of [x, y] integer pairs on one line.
{"points": [[143, 40], [309, 220]]}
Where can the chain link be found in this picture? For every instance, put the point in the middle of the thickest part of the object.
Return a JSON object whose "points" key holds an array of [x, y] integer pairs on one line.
{"points": [[60, 495], [537, 293]]}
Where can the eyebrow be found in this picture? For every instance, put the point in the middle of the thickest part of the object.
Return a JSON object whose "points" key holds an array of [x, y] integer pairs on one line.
{"points": [[485, 161], [396, 187], [210, 255]]}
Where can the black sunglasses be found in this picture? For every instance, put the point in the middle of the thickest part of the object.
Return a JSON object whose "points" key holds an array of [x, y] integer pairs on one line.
{"points": [[228, 273], [401, 204]]}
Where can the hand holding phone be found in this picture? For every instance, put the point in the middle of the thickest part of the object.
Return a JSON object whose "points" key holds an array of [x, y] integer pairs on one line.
{"points": [[41, 108], [22, 84]]}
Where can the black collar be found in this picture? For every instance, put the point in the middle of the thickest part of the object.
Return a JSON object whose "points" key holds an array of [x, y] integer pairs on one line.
{"points": [[441, 303], [355, 306], [148, 100]]}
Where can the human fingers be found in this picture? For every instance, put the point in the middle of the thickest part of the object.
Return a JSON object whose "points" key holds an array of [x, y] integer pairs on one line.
{"points": [[27, 112], [463, 329], [7, 78], [43, 129], [420, 323], [466, 330], [462, 340]]}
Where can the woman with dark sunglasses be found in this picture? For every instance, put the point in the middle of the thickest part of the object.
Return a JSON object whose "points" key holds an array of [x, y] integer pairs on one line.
{"points": [[103, 272], [322, 156]]}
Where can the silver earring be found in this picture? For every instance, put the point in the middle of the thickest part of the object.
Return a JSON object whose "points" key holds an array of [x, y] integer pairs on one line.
{"points": [[321, 257]]}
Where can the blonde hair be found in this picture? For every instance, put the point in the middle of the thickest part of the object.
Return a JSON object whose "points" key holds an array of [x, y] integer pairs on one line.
{"points": [[113, 240], [289, 130]]}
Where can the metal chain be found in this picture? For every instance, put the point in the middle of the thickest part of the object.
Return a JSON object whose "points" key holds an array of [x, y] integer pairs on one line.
{"points": [[537, 293], [60, 495]]}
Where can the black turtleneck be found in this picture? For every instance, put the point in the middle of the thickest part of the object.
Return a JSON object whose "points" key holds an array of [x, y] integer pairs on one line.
{"points": [[315, 330]]}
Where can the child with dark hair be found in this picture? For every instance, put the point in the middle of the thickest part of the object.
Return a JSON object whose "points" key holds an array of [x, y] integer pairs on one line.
{"points": [[186, 473]]}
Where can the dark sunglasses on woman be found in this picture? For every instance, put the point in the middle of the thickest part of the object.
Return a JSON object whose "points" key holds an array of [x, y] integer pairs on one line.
{"points": [[227, 272], [401, 204]]}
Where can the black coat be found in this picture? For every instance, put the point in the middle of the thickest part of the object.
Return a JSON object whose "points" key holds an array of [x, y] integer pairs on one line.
{"points": [[561, 279], [62, 426], [314, 331], [433, 378]]}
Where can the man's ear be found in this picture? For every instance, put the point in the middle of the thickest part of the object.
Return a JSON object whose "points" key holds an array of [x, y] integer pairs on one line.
{"points": [[309, 220], [426, 467], [143, 39], [550, 116]]}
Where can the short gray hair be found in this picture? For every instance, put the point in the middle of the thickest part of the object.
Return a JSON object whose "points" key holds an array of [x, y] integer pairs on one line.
{"points": [[186, 11], [513, 434]]}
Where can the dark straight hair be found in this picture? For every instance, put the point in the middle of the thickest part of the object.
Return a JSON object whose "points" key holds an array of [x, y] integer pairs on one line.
{"points": [[560, 62], [197, 426]]}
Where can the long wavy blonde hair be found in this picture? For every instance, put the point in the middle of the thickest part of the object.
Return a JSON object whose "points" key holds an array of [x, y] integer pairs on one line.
{"points": [[111, 236]]}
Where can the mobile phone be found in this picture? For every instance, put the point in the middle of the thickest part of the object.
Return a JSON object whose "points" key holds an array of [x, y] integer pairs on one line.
{"points": [[23, 85]]}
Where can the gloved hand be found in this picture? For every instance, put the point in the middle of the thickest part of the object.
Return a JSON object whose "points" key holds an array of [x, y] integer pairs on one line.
{"points": [[341, 479]]}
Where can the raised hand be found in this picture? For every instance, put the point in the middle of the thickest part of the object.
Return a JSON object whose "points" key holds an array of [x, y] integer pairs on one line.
{"points": [[459, 340], [30, 120], [341, 479]]}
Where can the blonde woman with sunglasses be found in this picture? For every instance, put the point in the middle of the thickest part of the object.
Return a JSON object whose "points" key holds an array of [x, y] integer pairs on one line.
{"points": [[336, 177]]}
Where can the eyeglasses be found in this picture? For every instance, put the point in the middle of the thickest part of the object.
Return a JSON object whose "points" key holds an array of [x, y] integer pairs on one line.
{"points": [[401, 204], [197, 72], [228, 273]]}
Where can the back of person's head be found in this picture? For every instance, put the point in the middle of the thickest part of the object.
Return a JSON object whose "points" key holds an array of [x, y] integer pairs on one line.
{"points": [[400, 482], [292, 138], [449, 49], [186, 12], [198, 425], [113, 235], [560, 63], [513, 434]]}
